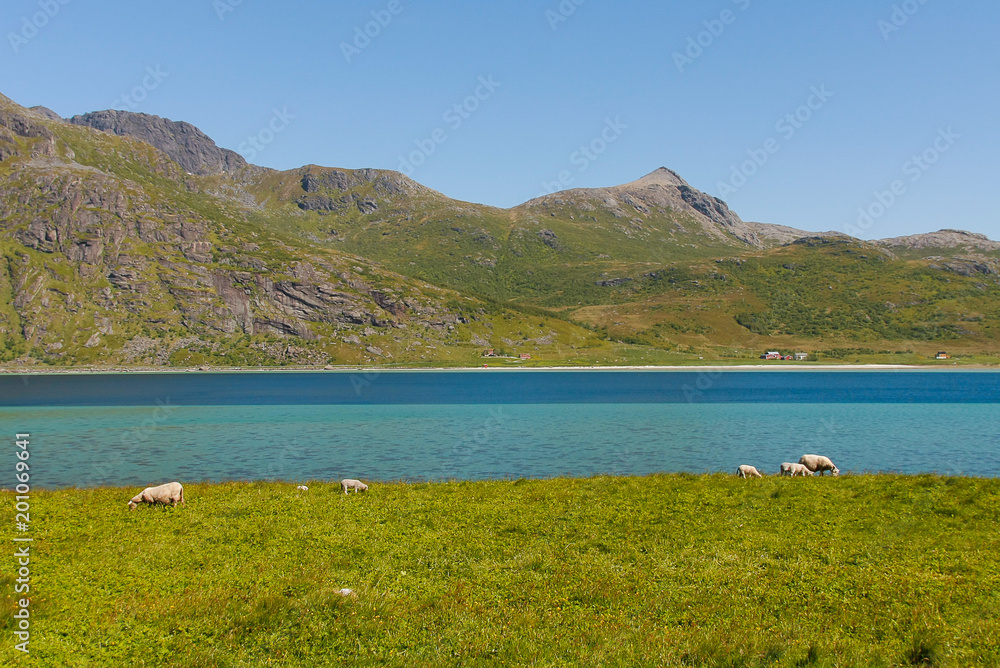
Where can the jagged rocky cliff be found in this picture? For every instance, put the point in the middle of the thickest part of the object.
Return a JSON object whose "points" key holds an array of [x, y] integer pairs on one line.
{"points": [[188, 146]]}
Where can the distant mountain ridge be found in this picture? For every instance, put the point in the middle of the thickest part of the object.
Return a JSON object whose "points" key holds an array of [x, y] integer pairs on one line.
{"points": [[945, 238], [198, 153], [130, 238]]}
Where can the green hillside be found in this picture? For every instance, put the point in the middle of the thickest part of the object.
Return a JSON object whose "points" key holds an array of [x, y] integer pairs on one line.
{"points": [[112, 254]]}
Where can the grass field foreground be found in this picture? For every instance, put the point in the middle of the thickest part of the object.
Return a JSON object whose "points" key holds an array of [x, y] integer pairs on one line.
{"points": [[696, 570]]}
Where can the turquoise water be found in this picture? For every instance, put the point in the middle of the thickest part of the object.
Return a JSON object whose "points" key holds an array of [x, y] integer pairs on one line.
{"points": [[114, 445]]}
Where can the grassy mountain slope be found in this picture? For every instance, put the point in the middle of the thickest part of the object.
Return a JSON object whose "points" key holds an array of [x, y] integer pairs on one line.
{"points": [[111, 252], [550, 252], [816, 294]]}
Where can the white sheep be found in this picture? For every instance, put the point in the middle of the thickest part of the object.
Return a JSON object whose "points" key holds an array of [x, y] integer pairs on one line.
{"points": [[747, 471], [819, 463], [356, 485], [302, 488], [790, 469], [170, 492]]}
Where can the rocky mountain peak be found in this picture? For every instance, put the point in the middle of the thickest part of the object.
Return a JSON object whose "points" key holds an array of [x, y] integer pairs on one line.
{"points": [[191, 148], [659, 177], [45, 112], [659, 192]]}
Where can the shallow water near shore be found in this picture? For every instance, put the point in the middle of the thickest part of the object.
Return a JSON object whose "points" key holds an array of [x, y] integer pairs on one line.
{"points": [[921, 425]]}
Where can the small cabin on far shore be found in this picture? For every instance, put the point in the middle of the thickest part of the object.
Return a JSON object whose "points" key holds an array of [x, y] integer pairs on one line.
{"points": [[942, 355]]}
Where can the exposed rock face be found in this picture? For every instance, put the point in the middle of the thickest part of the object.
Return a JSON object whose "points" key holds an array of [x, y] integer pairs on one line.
{"points": [[957, 239], [47, 113], [779, 234], [336, 179], [16, 124], [549, 238], [967, 266], [324, 204], [384, 183], [335, 190], [191, 148], [614, 282]]}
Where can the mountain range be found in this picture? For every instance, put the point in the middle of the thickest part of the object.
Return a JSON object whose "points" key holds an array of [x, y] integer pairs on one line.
{"points": [[129, 239]]}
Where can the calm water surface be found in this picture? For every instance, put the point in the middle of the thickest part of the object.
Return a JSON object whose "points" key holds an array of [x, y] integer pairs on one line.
{"points": [[446, 425]]}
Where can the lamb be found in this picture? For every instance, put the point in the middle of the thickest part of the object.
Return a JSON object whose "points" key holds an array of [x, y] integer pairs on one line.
{"points": [[356, 485], [819, 463], [788, 468], [302, 488], [747, 471], [170, 492]]}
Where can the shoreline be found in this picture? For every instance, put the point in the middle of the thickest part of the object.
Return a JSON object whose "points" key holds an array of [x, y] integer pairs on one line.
{"points": [[318, 483], [486, 368]]}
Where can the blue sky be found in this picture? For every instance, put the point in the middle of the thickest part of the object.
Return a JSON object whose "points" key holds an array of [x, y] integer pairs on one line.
{"points": [[802, 114]]}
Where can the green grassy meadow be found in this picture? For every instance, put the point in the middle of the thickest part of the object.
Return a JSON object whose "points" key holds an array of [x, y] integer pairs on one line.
{"points": [[664, 570]]}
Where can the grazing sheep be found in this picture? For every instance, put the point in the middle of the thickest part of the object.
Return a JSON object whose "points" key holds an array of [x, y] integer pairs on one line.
{"points": [[818, 463], [800, 469], [170, 492], [302, 488], [356, 485], [788, 468], [747, 471]]}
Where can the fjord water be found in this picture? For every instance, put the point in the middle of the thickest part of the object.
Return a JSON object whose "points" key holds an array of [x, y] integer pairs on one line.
{"points": [[133, 429]]}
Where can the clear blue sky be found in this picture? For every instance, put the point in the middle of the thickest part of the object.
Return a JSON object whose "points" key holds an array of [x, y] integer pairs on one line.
{"points": [[227, 65]]}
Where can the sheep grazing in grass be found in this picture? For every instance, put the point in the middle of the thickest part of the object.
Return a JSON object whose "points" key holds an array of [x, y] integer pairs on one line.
{"points": [[791, 469], [302, 488], [171, 492], [819, 464], [747, 471], [356, 485]]}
